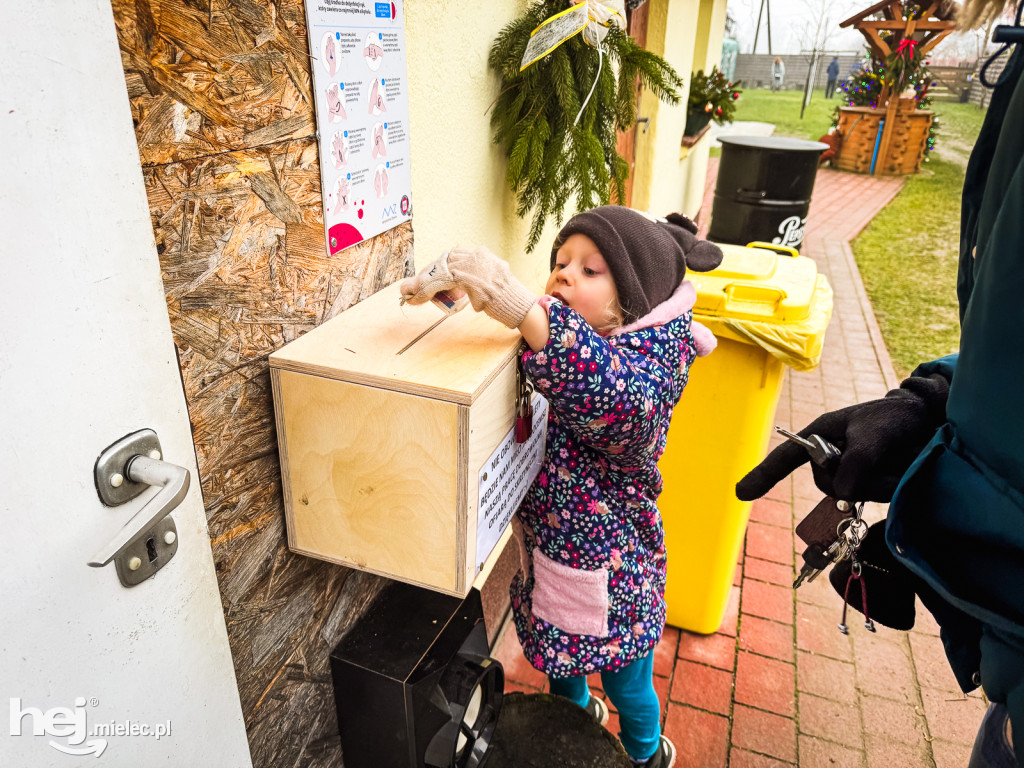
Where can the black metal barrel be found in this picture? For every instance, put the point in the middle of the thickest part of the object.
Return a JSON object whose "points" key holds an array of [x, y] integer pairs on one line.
{"points": [[764, 189]]}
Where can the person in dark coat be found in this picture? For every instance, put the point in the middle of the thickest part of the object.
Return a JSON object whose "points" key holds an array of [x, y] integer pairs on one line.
{"points": [[946, 449], [833, 76]]}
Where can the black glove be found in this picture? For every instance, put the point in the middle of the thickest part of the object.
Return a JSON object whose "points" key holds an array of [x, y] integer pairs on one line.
{"points": [[878, 439]]}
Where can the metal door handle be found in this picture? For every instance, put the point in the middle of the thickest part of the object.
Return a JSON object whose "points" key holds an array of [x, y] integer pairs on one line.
{"points": [[142, 469], [148, 541]]}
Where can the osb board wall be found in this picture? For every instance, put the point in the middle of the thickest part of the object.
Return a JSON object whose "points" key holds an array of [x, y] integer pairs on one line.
{"points": [[220, 96]]}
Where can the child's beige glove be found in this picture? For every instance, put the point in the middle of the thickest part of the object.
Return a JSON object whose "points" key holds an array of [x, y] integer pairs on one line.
{"points": [[486, 279]]}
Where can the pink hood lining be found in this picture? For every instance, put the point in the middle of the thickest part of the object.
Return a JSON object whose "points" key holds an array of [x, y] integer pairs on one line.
{"points": [[680, 302]]}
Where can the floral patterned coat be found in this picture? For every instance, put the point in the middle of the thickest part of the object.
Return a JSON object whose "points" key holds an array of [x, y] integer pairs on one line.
{"points": [[590, 593]]}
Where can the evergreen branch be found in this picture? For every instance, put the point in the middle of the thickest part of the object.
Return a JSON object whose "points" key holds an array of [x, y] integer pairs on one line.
{"points": [[657, 76], [625, 98], [564, 82], [541, 135], [549, 160], [517, 159]]}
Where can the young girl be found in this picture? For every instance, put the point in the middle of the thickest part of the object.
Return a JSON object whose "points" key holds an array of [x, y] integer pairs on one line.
{"points": [[610, 347]]}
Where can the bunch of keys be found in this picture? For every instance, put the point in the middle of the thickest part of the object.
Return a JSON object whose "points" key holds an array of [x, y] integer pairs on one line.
{"points": [[825, 529], [833, 531]]}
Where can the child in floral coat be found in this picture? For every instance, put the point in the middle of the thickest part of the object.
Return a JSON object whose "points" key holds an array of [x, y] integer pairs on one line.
{"points": [[610, 347]]}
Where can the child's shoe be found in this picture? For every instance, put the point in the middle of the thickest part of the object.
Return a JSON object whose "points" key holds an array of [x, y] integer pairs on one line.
{"points": [[663, 758], [597, 709]]}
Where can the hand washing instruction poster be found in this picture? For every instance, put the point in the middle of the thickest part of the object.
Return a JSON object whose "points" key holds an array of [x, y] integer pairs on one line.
{"points": [[360, 88]]}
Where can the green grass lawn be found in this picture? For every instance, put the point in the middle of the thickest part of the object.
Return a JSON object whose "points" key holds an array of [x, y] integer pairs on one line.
{"points": [[908, 254], [908, 259], [782, 108]]}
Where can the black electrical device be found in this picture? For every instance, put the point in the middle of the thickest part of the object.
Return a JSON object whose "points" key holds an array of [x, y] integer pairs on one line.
{"points": [[414, 683]]}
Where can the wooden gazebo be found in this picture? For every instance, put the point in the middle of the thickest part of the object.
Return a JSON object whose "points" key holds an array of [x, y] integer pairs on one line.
{"points": [[890, 138]]}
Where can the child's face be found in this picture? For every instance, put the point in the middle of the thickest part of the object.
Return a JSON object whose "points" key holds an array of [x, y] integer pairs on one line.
{"points": [[583, 281]]}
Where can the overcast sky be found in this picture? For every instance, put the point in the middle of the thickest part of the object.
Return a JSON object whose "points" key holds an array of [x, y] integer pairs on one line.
{"points": [[794, 23]]}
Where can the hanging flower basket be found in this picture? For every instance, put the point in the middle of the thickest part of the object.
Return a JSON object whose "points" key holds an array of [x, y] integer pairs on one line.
{"points": [[696, 122]]}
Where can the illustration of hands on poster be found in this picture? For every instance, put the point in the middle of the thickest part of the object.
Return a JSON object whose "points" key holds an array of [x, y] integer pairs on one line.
{"points": [[362, 110]]}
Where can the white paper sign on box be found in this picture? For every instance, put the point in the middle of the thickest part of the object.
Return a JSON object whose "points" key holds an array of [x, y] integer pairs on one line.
{"points": [[504, 479]]}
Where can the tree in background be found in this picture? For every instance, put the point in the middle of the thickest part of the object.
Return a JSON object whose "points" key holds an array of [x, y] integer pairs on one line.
{"points": [[820, 26]]}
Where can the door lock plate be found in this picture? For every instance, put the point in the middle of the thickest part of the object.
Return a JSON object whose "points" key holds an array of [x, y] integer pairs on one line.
{"points": [[149, 539], [111, 473], [147, 556]]}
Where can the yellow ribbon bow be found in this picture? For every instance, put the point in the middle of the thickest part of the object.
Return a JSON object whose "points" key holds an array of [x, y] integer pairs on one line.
{"points": [[592, 17]]}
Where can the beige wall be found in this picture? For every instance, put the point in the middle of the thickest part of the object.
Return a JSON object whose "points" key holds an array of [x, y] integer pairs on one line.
{"points": [[707, 53], [660, 174], [458, 175], [688, 34]]}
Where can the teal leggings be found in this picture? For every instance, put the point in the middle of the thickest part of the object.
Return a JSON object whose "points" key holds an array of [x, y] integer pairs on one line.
{"points": [[631, 691]]}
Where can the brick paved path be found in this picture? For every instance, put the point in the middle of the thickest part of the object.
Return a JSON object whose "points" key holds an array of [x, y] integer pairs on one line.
{"points": [[778, 684]]}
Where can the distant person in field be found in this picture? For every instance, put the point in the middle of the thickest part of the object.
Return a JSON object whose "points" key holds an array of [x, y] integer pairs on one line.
{"points": [[833, 76], [778, 73]]}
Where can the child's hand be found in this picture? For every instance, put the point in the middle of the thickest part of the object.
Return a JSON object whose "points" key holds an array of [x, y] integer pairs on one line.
{"points": [[487, 279], [421, 288]]}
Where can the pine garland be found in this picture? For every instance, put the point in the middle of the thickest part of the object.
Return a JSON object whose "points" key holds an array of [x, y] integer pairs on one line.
{"points": [[549, 160]]}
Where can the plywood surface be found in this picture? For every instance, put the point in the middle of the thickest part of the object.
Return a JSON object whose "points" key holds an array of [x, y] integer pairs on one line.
{"points": [[208, 77], [372, 476], [454, 361]]}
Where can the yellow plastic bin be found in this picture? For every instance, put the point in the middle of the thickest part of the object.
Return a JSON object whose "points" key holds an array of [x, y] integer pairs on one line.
{"points": [[768, 309]]}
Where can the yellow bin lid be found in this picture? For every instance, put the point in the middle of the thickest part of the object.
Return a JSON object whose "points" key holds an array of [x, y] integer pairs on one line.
{"points": [[772, 298], [756, 284]]}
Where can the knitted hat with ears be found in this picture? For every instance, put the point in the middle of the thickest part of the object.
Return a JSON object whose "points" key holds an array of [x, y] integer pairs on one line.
{"points": [[648, 256]]}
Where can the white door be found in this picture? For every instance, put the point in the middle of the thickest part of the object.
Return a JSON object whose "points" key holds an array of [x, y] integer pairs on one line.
{"points": [[140, 675]]}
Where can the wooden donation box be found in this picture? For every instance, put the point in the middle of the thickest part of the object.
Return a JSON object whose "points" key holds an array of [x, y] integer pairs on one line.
{"points": [[402, 463]]}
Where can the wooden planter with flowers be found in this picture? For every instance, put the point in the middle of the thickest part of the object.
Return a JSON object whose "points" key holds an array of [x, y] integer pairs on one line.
{"points": [[862, 129], [890, 135]]}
